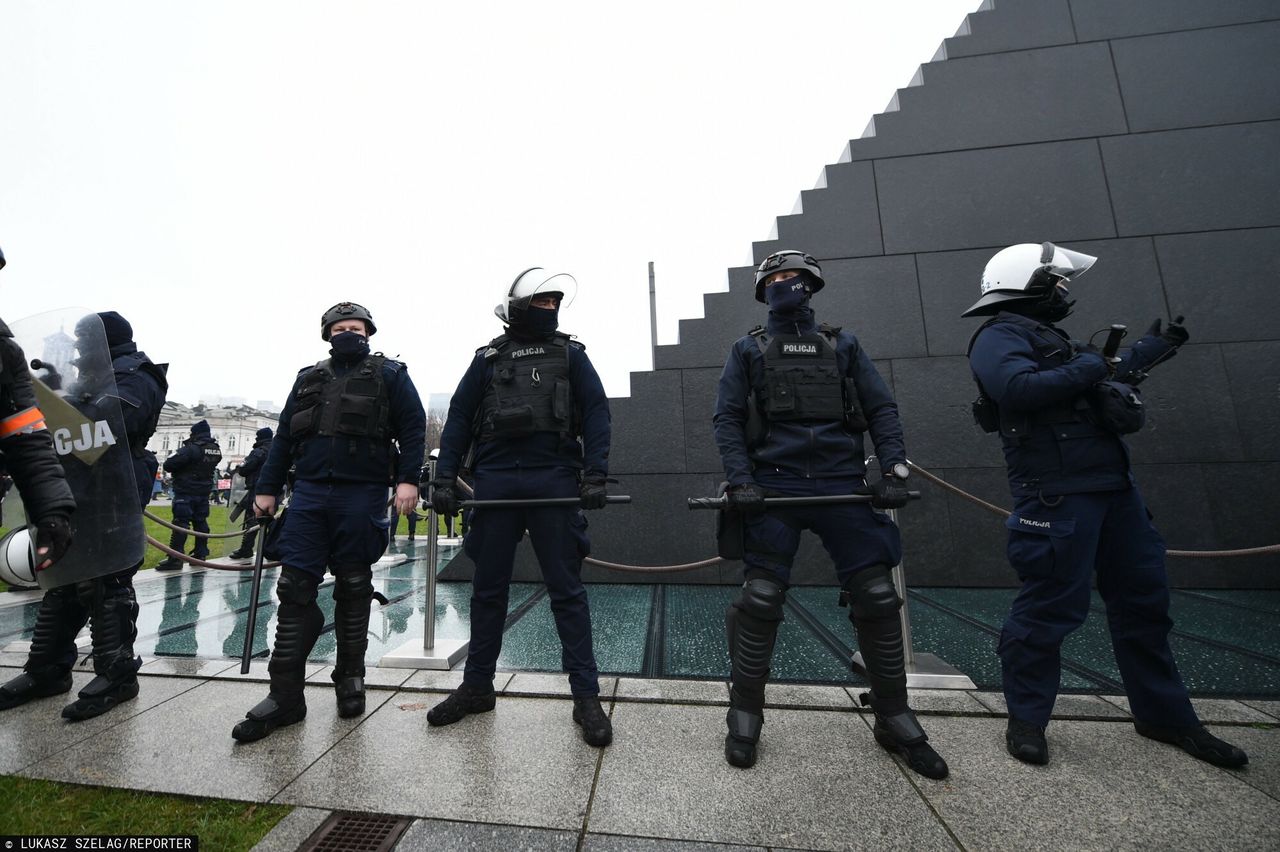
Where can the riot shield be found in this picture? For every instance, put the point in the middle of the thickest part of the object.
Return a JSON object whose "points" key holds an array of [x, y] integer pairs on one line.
{"points": [[85, 419], [239, 503]]}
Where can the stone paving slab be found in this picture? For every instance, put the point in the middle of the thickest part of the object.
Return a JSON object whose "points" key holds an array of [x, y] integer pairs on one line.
{"points": [[1066, 707], [1271, 708], [613, 843], [374, 677], [820, 781], [1105, 787], [673, 691], [292, 831], [258, 672], [944, 701], [1263, 772], [433, 835], [1210, 710], [188, 667], [801, 696], [36, 731], [551, 685], [524, 764], [439, 681], [184, 745]]}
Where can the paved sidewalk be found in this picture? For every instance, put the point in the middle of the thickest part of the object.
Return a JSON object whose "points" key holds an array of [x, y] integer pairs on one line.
{"points": [[522, 778]]}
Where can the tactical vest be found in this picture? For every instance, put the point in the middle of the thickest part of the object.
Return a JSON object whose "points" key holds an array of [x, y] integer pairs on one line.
{"points": [[1052, 349], [802, 380], [529, 390], [200, 472], [353, 406]]}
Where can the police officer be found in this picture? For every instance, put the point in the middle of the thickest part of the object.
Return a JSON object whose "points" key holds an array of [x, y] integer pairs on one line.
{"points": [[521, 408], [249, 469], [340, 429], [107, 603], [194, 468], [793, 402], [1077, 509]]}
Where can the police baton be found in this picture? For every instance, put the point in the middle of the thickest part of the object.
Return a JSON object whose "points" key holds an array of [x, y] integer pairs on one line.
{"points": [[255, 593], [536, 502], [781, 502], [1112, 345]]}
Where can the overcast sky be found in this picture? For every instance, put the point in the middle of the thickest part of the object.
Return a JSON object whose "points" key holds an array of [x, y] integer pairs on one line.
{"points": [[222, 173]]}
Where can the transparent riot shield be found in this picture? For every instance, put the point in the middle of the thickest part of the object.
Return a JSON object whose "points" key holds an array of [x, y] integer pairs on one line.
{"points": [[76, 391], [240, 503]]}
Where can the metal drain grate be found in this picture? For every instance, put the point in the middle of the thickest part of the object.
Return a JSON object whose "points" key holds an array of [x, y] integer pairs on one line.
{"points": [[356, 833]]}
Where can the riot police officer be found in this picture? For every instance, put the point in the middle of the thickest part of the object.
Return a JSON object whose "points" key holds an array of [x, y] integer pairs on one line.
{"points": [[340, 428], [528, 397], [793, 402], [107, 603], [194, 468], [249, 469], [1061, 408]]}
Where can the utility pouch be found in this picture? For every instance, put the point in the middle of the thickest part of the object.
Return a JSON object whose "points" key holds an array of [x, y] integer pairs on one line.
{"points": [[517, 420], [271, 544], [303, 422], [854, 420], [1118, 407], [560, 400], [730, 530], [985, 414]]}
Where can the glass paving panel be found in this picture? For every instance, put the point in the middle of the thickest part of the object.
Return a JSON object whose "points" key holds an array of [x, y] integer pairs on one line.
{"points": [[620, 625]]}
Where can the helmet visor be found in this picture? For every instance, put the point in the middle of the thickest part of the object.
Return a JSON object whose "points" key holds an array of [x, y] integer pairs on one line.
{"points": [[540, 282], [1069, 264]]}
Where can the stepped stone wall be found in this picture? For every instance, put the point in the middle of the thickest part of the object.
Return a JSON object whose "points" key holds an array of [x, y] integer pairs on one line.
{"points": [[1146, 132]]}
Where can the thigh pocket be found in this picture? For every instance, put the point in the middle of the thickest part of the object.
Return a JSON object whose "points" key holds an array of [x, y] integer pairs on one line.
{"points": [[1040, 547], [578, 535]]}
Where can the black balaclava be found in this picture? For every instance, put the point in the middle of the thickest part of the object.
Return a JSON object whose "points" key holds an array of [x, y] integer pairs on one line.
{"points": [[789, 311], [1052, 308], [348, 347], [540, 322]]}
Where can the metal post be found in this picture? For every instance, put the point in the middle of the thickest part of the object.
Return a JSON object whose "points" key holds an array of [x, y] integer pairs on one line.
{"points": [[653, 317], [432, 655]]}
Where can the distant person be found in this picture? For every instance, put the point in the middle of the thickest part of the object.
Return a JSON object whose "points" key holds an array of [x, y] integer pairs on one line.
{"points": [[1077, 514], [527, 398], [194, 468], [352, 426], [248, 470]]}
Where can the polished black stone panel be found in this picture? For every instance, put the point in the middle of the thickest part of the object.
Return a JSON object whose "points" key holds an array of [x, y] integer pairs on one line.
{"points": [[994, 197], [1214, 76], [838, 221], [935, 397], [1244, 503], [1014, 26], [653, 410], [967, 103], [927, 552], [700, 452], [978, 536], [1190, 416], [877, 299], [1253, 372], [1209, 178], [1122, 287], [1099, 19], [1224, 282]]}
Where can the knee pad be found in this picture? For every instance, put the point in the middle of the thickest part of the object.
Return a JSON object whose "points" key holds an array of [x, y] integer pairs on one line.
{"points": [[353, 583], [761, 599], [297, 587], [872, 594]]}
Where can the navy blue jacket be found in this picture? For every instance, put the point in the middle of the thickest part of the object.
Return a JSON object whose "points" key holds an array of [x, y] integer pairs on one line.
{"points": [[540, 450], [325, 459], [809, 449], [253, 462], [187, 480], [141, 398], [1043, 375]]}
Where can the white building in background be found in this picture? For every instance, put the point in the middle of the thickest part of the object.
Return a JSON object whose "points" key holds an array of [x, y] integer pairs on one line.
{"points": [[234, 427]]}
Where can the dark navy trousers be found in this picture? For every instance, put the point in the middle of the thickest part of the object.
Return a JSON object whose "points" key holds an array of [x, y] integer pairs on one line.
{"points": [[855, 535], [191, 511], [334, 525], [559, 538], [1056, 550]]}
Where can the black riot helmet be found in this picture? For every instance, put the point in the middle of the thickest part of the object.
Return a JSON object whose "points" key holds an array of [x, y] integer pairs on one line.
{"points": [[344, 311], [781, 261]]}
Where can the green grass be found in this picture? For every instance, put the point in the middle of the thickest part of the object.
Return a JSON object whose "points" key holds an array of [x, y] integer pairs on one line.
{"points": [[46, 808]]}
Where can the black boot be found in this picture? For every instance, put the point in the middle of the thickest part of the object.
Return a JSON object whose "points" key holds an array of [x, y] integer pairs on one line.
{"points": [[169, 563], [353, 595], [53, 650], [177, 543], [245, 550], [874, 614], [1197, 742], [1025, 741], [113, 627], [752, 623], [597, 730], [462, 702], [298, 625]]}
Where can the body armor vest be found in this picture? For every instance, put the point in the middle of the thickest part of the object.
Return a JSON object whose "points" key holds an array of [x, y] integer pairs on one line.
{"points": [[802, 380], [353, 406], [200, 472], [529, 391]]}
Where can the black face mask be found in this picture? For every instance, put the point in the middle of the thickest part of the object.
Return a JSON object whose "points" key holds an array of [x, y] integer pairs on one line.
{"points": [[1054, 307], [348, 346], [540, 322]]}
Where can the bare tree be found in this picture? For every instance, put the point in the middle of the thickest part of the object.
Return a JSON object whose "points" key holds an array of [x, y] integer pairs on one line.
{"points": [[435, 426]]}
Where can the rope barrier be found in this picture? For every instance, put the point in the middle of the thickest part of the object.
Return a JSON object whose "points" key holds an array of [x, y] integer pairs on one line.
{"points": [[203, 564], [1191, 554], [162, 522]]}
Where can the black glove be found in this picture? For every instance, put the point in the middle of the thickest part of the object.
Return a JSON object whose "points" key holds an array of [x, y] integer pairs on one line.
{"points": [[889, 493], [747, 498], [53, 532], [444, 496], [593, 492], [1173, 334]]}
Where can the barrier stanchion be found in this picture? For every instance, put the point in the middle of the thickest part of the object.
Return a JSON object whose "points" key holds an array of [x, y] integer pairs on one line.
{"points": [[432, 655]]}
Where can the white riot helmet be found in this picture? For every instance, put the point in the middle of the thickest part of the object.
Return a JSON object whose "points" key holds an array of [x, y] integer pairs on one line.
{"points": [[534, 282], [1026, 272], [18, 559]]}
